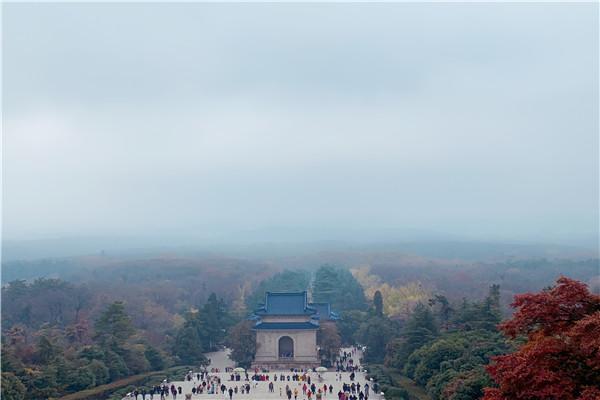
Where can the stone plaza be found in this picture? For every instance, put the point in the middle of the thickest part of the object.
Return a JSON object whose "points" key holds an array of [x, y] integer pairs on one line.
{"points": [[260, 389], [286, 326]]}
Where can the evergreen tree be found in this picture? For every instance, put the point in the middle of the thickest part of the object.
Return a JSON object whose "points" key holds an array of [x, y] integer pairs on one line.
{"points": [[242, 342], [213, 322], [135, 359], [349, 324], [44, 385], [375, 333], [47, 351], [422, 318], [490, 310], [329, 342], [10, 362], [81, 378], [378, 303], [419, 330], [155, 358], [114, 326], [100, 371], [190, 341], [444, 310], [451, 366], [12, 387], [339, 288], [285, 281], [481, 315], [92, 353], [63, 370], [116, 365], [188, 346]]}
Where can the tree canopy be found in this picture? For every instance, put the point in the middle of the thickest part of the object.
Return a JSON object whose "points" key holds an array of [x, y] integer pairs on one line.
{"points": [[561, 356], [285, 281], [337, 286], [59, 337], [242, 342]]}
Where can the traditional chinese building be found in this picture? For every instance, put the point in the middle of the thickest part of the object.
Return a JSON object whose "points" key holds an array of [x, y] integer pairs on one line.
{"points": [[286, 331]]}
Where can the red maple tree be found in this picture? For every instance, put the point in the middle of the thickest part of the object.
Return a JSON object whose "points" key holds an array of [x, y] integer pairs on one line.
{"points": [[561, 357]]}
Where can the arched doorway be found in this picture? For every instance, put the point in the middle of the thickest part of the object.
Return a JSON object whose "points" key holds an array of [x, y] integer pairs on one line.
{"points": [[286, 347]]}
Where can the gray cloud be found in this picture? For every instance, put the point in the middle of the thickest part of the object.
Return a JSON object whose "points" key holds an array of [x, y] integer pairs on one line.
{"points": [[476, 120]]}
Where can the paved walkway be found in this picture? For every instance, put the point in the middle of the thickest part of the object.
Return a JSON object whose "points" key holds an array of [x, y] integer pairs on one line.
{"points": [[260, 390], [220, 360]]}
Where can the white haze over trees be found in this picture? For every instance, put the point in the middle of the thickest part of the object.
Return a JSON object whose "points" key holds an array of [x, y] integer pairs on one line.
{"points": [[301, 121]]}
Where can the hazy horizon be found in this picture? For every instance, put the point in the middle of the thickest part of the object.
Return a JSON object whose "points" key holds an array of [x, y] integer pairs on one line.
{"points": [[324, 121]]}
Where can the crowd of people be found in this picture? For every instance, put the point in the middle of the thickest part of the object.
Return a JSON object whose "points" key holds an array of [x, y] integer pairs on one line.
{"points": [[345, 362], [202, 383], [293, 384]]}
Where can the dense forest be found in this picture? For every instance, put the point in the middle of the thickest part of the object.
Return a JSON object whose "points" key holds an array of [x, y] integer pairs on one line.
{"points": [[75, 329]]}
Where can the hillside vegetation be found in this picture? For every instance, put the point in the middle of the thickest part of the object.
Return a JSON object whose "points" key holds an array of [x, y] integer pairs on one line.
{"points": [[433, 327]]}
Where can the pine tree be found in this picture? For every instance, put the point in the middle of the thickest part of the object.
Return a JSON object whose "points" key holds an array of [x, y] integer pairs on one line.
{"points": [[188, 346], [12, 387], [378, 303], [213, 322], [114, 326], [242, 342], [339, 288], [47, 351], [419, 330]]}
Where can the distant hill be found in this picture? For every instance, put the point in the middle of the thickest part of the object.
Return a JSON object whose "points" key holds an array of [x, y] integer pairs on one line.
{"points": [[247, 246]]}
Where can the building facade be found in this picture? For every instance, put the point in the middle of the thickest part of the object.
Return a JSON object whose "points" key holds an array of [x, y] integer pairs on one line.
{"points": [[286, 331]]}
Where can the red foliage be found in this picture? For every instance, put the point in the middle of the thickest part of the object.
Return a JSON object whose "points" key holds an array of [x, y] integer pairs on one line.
{"points": [[586, 336], [561, 359], [551, 311], [590, 394]]}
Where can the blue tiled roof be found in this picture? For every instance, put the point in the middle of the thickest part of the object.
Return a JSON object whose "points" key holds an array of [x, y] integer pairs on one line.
{"points": [[324, 312], [287, 325], [291, 303]]}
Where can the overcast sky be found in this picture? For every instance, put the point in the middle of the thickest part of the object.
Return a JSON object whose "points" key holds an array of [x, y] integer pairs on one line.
{"points": [[477, 121]]}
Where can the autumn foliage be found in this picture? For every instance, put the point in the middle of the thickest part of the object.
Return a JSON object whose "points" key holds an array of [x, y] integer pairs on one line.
{"points": [[561, 356]]}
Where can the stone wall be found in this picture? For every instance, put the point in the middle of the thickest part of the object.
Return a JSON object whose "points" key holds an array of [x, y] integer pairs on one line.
{"points": [[305, 347]]}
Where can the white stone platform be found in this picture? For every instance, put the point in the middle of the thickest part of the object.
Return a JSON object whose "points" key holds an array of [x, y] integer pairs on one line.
{"points": [[260, 390]]}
